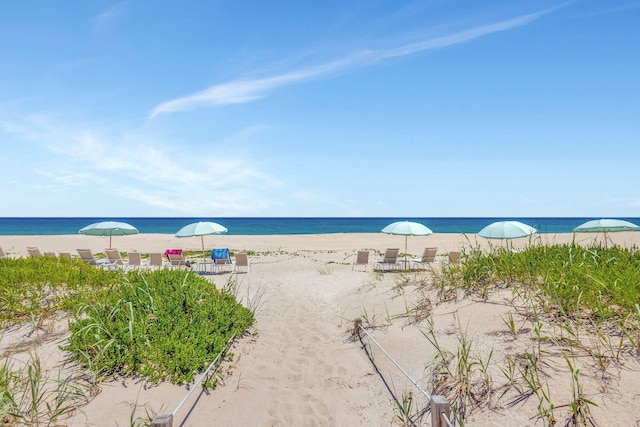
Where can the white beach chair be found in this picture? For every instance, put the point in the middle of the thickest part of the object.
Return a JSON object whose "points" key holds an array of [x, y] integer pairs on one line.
{"points": [[134, 260], [114, 257], [361, 259], [390, 260], [428, 256], [86, 255], [34, 251], [155, 260], [241, 261]]}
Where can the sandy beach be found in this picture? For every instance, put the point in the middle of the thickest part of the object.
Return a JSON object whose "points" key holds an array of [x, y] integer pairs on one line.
{"points": [[299, 366]]}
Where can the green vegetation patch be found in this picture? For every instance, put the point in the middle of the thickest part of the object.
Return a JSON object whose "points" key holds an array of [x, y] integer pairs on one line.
{"points": [[168, 324], [33, 287], [163, 325], [601, 282]]}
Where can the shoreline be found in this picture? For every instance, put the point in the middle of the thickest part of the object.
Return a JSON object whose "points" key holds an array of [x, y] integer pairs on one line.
{"points": [[287, 225]]}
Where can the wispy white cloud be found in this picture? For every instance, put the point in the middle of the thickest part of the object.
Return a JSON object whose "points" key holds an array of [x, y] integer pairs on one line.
{"points": [[247, 90], [146, 173], [107, 18], [165, 178]]}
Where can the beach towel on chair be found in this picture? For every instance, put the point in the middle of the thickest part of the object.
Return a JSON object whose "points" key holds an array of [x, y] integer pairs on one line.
{"points": [[221, 254], [172, 252]]}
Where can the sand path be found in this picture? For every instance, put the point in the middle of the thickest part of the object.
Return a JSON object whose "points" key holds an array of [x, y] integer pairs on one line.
{"points": [[300, 368]]}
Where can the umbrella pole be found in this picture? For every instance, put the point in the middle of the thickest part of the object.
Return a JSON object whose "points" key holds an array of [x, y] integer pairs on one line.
{"points": [[202, 239], [110, 232], [405, 251]]}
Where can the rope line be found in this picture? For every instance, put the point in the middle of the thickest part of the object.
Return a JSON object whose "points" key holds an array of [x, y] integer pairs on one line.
{"points": [[446, 420], [195, 385], [427, 395]]}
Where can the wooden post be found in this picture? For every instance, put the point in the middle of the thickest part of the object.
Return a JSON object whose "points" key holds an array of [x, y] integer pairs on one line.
{"points": [[439, 404], [165, 420]]}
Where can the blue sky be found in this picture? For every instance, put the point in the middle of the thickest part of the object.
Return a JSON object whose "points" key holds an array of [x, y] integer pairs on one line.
{"points": [[332, 108]]}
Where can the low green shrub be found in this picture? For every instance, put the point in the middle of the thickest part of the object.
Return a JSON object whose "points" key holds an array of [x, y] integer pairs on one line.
{"points": [[31, 287], [164, 325]]}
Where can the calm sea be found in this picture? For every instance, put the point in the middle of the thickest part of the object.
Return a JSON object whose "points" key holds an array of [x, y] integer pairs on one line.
{"points": [[254, 226]]}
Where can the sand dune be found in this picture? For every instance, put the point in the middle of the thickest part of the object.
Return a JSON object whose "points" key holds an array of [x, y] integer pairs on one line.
{"points": [[300, 367]]}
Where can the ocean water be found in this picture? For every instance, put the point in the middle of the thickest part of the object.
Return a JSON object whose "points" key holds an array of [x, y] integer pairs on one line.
{"points": [[256, 226]]}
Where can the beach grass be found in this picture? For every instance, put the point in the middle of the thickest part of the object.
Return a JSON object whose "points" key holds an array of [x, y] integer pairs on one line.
{"points": [[38, 287], [571, 281], [581, 304], [161, 325]]}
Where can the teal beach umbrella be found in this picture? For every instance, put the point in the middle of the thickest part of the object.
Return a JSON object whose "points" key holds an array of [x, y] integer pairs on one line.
{"points": [[606, 225], [407, 228], [506, 230], [108, 228], [201, 228]]}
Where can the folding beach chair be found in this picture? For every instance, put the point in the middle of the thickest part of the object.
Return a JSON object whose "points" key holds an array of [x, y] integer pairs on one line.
{"points": [[34, 252], [362, 259], [86, 255], [221, 258], [114, 257], [390, 260], [155, 260], [241, 261], [428, 256], [176, 258], [134, 260]]}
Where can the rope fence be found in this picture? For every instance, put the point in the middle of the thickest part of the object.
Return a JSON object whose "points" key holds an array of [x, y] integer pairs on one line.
{"points": [[166, 420], [445, 419], [439, 405]]}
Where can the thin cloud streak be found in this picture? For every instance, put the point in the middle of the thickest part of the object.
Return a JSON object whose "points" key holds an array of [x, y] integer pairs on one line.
{"points": [[107, 18], [244, 91], [146, 172]]}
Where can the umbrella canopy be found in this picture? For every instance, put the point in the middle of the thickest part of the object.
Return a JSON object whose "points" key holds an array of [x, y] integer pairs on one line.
{"points": [[407, 228], [606, 225], [108, 228], [507, 230], [201, 228]]}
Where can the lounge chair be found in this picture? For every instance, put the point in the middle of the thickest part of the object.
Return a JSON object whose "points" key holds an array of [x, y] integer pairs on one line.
{"points": [[389, 261], [361, 259], [34, 252], [428, 256], [114, 257], [87, 256], [454, 257], [172, 252], [50, 254], [241, 260], [221, 258], [176, 259], [134, 260], [2, 254], [65, 255], [155, 260]]}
